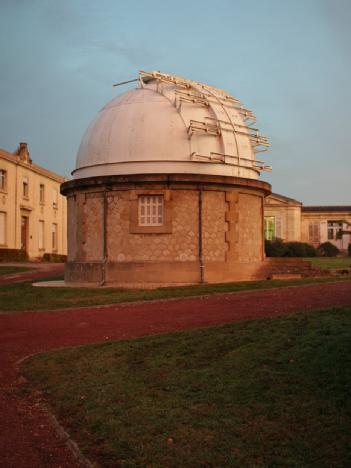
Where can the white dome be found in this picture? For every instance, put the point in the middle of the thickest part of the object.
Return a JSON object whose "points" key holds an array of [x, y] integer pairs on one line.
{"points": [[170, 125]]}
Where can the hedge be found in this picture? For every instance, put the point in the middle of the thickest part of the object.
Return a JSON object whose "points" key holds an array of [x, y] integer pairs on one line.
{"points": [[278, 248], [54, 258], [327, 249], [13, 255]]}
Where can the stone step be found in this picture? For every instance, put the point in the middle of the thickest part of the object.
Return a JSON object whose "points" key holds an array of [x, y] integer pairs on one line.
{"points": [[286, 276], [291, 268]]}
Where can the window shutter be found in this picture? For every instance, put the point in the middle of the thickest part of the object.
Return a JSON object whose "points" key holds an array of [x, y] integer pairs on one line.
{"points": [[2, 228], [278, 227]]}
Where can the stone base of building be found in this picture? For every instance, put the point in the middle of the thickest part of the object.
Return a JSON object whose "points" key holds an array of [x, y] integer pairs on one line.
{"points": [[212, 230], [154, 275]]}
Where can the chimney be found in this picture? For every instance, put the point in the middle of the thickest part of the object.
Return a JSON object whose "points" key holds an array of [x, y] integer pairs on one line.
{"points": [[23, 153]]}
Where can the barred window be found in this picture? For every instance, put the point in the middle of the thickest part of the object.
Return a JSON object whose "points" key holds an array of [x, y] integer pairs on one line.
{"points": [[151, 212]]}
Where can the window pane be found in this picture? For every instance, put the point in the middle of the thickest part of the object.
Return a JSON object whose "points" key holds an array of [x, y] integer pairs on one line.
{"points": [[42, 193], [25, 186], [150, 210], [269, 227], [54, 237]]}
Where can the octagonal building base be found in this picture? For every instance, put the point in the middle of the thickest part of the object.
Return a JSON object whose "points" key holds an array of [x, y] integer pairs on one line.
{"points": [[212, 230]]}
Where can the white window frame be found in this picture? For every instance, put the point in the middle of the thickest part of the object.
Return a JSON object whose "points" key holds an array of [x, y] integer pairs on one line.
{"points": [[54, 198], [54, 237], [334, 227], [3, 179], [42, 194], [269, 227], [151, 210], [25, 187]]}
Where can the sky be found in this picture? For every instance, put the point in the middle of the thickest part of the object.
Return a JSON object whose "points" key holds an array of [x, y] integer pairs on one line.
{"points": [[287, 60]]}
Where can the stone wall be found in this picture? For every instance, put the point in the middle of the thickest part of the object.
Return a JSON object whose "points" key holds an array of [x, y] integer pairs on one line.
{"points": [[214, 226], [232, 235], [93, 227], [250, 228], [72, 228], [179, 245]]}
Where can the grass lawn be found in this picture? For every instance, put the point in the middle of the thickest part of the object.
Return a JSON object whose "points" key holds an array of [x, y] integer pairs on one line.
{"points": [[25, 297], [330, 262], [8, 270], [273, 392]]}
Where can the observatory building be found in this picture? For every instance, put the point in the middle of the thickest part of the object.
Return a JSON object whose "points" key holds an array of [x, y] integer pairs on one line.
{"points": [[166, 190]]}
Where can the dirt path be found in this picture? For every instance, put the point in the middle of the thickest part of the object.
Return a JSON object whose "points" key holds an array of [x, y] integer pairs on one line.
{"points": [[28, 437], [40, 271]]}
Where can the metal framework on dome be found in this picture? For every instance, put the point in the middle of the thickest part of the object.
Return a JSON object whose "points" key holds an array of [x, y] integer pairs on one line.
{"points": [[193, 92]]}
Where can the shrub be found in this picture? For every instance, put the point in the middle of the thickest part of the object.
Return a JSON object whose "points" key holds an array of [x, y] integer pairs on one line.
{"points": [[275, 248], [278, 248], [327, 249], [13, 255], [311, 251], [54, 258], [299, 249]]}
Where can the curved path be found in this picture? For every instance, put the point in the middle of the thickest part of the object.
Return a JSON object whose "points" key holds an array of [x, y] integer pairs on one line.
{"points": [[38, 271], [28, 437]]}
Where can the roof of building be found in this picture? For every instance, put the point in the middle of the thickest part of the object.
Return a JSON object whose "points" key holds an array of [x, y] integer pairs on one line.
{"points": [[171, 125], [327, 208], [22, 158], [281, 198]]}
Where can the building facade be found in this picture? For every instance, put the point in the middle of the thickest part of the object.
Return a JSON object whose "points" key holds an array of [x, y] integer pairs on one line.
{"points": [[326, 224], [287, 219], [282, 218], [166, 189], [33, 213]]}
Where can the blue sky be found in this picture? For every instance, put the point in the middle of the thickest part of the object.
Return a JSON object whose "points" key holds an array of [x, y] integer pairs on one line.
{"points": [[287, 60]]}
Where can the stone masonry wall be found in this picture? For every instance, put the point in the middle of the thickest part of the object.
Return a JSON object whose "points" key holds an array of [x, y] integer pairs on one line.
{"points": [[93, 226], [72, 229], [232, 234], [250, 228], [180, 245], [242, 241], [214, 226]]}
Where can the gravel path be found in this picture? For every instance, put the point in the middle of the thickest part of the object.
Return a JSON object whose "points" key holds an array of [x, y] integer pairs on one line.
{"points": [[28, 437]]}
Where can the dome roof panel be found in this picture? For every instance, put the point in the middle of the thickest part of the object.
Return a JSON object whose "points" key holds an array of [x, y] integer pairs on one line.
{"points": [[168, 126]]}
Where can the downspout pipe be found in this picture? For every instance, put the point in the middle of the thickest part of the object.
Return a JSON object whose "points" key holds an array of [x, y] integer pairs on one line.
{"points": [[201, 259], [104, 238]]}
